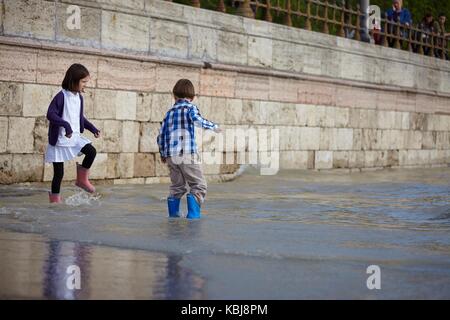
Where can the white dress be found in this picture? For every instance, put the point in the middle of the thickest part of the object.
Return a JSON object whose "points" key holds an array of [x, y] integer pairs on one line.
{"points": [[66, 149]]}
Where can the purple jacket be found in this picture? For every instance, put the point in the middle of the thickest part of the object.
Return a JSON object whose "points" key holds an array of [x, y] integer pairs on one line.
{"points": [[54, 115]]}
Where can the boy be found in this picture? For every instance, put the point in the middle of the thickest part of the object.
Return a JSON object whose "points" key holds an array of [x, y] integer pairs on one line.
{"points": [[177, 147]]}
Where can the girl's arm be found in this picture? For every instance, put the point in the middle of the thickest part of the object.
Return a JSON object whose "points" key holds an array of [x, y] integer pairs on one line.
{"points": [[88, 125], [199, 121], [55, 119]]}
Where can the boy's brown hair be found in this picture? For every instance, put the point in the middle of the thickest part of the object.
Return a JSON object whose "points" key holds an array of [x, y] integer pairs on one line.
{"points": [[74, 74], [184, 89]]}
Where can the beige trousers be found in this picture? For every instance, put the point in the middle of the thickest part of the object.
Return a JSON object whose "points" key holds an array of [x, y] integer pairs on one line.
{"points": [[184, 170]]}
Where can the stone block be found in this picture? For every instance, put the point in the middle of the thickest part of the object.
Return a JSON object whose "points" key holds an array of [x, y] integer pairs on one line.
{"points": [[112, 166], [90, 26], [52, 67], [29, 18], [99, 169], [294, 160], [203, 43], [149, 134], [285, 90], [356, 159], [341, 159], [342, 117], [250, 111], [6, 175], [162, 170], [105, 104], [309, 138], [217, 83], [126, 105], [442, 140], [161, 103], [37, 98], [18, 64], [252, 87], [112, 136], [40, 134], [417, 121], [127, 32], [413, 139], [126, 165], [216, 112], [344, 139], [357, 139], [27, 167], [11, 98], [323, 160], [167, 76], [20, 135], [130, 136], [126, 75], [3, 134], [429, 139], [392, 158], [233, 111], [168, 38], [143, 106], [232, 48], [144, 165], [260, 52]]}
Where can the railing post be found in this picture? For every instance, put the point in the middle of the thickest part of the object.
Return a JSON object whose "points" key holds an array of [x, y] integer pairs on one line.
{"points": [[341, 29], [358, 23], [221, 6], [308, 15], [364, 7], [431, 52], [410, 48], [421, 51], [325, 23], [287, 19], [443, 56], [385, 40], [245, 10], [397, 36], [268, 14], [195, 3]]}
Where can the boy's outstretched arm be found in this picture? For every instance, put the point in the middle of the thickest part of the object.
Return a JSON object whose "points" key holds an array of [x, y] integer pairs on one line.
{"points": [[199, 121]]}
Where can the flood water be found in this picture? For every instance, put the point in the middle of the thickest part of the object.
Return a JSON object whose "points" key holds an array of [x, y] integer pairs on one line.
{"points": [[297, 235]]}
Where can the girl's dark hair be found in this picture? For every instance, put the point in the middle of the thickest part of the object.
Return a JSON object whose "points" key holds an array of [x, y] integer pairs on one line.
{"points": [[184, 89], [74, 74]]}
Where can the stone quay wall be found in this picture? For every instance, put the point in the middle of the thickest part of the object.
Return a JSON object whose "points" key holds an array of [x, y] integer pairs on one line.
{"points": [[338, 103]]}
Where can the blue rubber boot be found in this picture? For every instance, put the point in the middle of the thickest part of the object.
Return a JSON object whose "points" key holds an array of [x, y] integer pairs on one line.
{"points": [[193, 207], [174, 207]]}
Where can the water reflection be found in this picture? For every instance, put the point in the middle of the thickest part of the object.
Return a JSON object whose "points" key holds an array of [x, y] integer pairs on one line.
{"points": [[34, 267]]}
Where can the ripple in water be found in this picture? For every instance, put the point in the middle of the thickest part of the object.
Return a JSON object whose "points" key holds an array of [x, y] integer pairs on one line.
{"points": [[83, 198]]}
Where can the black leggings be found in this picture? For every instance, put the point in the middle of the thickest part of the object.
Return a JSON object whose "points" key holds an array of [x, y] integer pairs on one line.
{"points": [[58, 167]]}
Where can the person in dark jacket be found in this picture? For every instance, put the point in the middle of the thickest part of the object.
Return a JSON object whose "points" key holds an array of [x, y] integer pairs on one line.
{"points": [[398, 14]]}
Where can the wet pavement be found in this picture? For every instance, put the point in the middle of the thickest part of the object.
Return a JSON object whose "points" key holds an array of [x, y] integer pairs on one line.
{"points": [[297, 235]]}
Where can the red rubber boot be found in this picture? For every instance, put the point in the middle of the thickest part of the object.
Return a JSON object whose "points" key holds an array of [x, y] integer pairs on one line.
{"points": [[83, 179]]}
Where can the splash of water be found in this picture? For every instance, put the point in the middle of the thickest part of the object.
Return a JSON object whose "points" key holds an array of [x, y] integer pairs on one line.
{"points": [[82, 198]]}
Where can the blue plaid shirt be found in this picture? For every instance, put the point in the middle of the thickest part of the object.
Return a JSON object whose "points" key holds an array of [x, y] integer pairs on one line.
{"points": [[177, 134]]}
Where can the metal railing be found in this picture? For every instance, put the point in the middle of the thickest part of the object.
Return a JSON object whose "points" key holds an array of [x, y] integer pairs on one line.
{"points": [[333, 17]]}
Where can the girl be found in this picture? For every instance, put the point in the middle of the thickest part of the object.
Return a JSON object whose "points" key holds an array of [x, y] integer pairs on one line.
{"points": [[67, 122]]}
